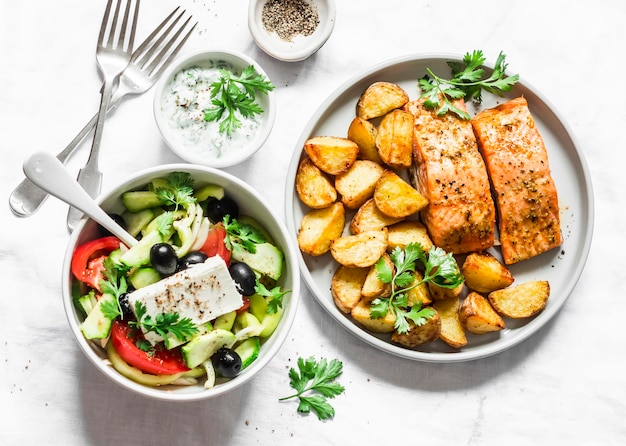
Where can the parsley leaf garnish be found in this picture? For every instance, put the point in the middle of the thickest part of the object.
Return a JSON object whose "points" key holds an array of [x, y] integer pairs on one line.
{"points": [[232, 93], [439, 267], [164, 323], [468, 80], [114, 283], [179, 192], [275, 295], [318, 377], [244, 234]]}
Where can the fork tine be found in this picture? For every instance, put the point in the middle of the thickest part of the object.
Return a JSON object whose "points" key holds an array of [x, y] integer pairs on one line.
{"points": [[160, 62], [142, 53], [114, 24], [127, 46], [105, 21]]}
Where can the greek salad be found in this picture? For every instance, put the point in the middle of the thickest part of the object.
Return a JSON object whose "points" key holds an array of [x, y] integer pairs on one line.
{"points": [[194, 299]]}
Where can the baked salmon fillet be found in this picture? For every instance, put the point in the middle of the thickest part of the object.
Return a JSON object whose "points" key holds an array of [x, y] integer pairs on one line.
{"points": [[524, 191], [450, 172]]}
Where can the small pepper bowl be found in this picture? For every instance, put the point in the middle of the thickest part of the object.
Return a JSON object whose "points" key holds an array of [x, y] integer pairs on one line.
{"points": [[300, 46], [212, 148]]}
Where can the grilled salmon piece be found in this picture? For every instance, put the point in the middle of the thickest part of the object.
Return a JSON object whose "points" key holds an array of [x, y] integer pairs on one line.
{"points": [[450, 172], [525, 193]]}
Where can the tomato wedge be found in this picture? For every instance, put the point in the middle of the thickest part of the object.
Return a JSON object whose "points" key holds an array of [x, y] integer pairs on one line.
{"points": [[215, 243], [88, 260], [158, 362]]}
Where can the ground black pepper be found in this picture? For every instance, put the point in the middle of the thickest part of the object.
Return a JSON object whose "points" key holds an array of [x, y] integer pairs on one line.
{"points": [[290, 18]]}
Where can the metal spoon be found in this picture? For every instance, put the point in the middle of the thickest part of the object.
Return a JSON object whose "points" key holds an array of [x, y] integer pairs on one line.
{"points": [[47, 172]]}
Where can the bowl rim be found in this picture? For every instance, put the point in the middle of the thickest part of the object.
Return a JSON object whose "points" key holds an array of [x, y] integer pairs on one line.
{"points": [[277, 339], [189, 58], [283, 52]]}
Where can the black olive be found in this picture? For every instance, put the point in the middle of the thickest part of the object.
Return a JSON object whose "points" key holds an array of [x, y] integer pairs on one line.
{"points": [[191, 258], [163, 258], [127, 313], [226, 362], [216, 210], [244, 278]]}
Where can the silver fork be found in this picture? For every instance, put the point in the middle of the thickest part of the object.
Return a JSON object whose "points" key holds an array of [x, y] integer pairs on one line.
{"points": [[139, 76], [112, 55]]}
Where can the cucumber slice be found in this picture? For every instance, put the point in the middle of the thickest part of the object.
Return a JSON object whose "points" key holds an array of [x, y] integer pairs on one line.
{"points": [[267, 260], [251, 221], [202, 347], [225, 321], [136, 221], [144, 276], [136, 201], [97, 325], [139, 254], [270, 322], [248, 351], [209, 191]]}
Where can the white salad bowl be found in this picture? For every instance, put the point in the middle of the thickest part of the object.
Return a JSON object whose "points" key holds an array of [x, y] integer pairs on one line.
{"points": [[252, 204], [302, 45], [200, 142]]}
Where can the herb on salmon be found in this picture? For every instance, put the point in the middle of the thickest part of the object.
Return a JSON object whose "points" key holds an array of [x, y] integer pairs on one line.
{"points": [[440, 268], [468, 81]]}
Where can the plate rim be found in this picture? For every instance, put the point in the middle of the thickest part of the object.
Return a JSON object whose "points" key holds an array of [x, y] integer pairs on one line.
{"points": [[481, 351]]}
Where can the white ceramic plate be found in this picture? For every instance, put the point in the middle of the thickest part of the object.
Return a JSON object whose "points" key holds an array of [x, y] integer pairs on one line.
{"points": [[561, 267]]}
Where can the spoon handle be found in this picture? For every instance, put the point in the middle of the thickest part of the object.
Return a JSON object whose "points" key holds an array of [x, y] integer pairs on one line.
{"points": [[47, 172]]}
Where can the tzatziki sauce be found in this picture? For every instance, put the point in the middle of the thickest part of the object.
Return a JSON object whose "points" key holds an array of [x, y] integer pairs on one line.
{"points": [[183, 103]]}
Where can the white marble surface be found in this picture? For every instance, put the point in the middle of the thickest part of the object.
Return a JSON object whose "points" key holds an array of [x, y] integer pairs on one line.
{"points": [[565, 385]]}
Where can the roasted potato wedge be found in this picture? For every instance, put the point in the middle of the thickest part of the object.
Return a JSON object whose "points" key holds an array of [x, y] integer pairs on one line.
{"points": [[373, 287], [332, 154], [484, 273], [369, 218], [359, 250], [357, 184], [346, 287], [320, 227], [408, 231], [394, 139], [419, 334], [314, 188], [441, 293], [420, 293], [361, 314], [397, 198], [363, 133], [520, 301], [478, 316], [452, 332], [379, 99]]}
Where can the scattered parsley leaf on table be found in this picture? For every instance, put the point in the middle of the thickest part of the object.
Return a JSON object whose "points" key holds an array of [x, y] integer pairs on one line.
{"points": [[468, 80], [232, 93], [439, 267], [318, 377]]}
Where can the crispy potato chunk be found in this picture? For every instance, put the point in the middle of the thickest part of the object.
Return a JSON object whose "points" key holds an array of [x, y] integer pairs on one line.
{"points": [[320, 227], [408, 231], [314, 188], [478, 316], [359, 250], [346, 287], [420, 293], [452, 332], [484, 273], [357, 184], [370, 218], [332, 154], [373, 287], [394, 139], [379, 99], [361, 314], [397, 198], [363, 133], [520, 301], [442, 293], [419, 334]]}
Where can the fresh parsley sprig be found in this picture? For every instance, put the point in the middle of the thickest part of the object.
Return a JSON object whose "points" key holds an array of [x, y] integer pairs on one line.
{"points": [[275, 296], [114, 283], [468, 81], [179, 192], [439, 267], [164, 323], [244, 234], [318, 378], [231, 93]]}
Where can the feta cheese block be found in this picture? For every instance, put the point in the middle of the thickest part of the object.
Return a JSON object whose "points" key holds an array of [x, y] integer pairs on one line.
{"points": [[201, 293]]}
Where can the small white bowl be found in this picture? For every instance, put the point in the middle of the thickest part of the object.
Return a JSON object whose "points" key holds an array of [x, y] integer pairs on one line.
{"points": [[301, 46], [250, 203], [234, 150]]}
